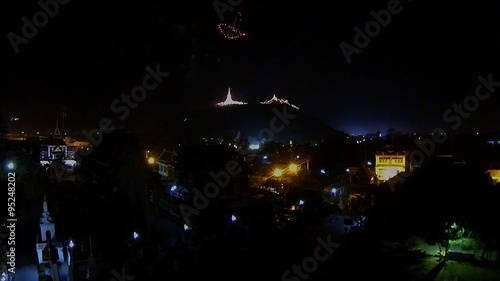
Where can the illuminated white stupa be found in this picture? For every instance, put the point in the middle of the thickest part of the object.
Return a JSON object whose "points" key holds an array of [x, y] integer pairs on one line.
{"points": [[229, 101], [275, 99]]}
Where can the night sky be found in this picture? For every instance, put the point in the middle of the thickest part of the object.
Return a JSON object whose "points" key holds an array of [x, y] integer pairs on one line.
{"points": [[425, 59]]}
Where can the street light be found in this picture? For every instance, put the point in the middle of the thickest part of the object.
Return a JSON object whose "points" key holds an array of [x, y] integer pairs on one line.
{"points": [[10, 165], [151, 160], [278, 172], [293, 168]]}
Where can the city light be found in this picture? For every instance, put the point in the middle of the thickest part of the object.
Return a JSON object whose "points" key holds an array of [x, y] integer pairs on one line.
{"points": [[173, 188], [334, 190], [389, 173], [278, 172], [233, 218], [151, 160], [254, 146], [10, 165], [369, 163], [293, 168], [301, 202], [135, 235], [186, 227], [323, 171], [71, 244]]}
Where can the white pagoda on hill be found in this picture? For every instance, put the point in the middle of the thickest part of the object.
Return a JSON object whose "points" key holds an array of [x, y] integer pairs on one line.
{"points": [[229, 100]]}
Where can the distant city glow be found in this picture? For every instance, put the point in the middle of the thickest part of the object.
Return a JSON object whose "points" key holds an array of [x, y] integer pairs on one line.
{"points": [[229, 100], [282, 101]]}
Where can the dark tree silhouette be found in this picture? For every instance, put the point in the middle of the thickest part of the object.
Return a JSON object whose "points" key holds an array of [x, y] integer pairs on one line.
{"points": [[440, 198]]}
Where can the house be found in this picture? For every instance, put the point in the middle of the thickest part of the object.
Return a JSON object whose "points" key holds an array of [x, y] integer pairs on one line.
{"points": [[165, 167], [389, 163]]}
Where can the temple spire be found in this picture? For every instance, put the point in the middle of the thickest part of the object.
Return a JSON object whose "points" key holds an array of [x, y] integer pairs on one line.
{"points": [[57, 133], [46, 218], [229, 100], [278, 100]]}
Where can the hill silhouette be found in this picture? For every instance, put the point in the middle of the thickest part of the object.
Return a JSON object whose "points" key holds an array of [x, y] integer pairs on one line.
{"points": [[255, 122]]}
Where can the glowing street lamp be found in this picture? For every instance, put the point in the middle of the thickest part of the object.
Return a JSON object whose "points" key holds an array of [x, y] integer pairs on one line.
{"points": [[135, 235], [293, 168], [71, 244], [10, 165], [278, 172], [151, 160]]}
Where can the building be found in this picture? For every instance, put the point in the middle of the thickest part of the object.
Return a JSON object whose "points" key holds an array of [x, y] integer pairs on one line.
{"points": [[389, 163], [165, 167], [50, 253], [494, 174]]}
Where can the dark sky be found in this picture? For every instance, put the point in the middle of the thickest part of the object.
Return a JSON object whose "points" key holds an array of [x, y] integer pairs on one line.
{"points": [[427, 58]]}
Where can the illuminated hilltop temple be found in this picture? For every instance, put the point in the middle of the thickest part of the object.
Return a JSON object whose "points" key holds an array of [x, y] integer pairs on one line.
{"points": [[275, 99], [229, 101]]}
